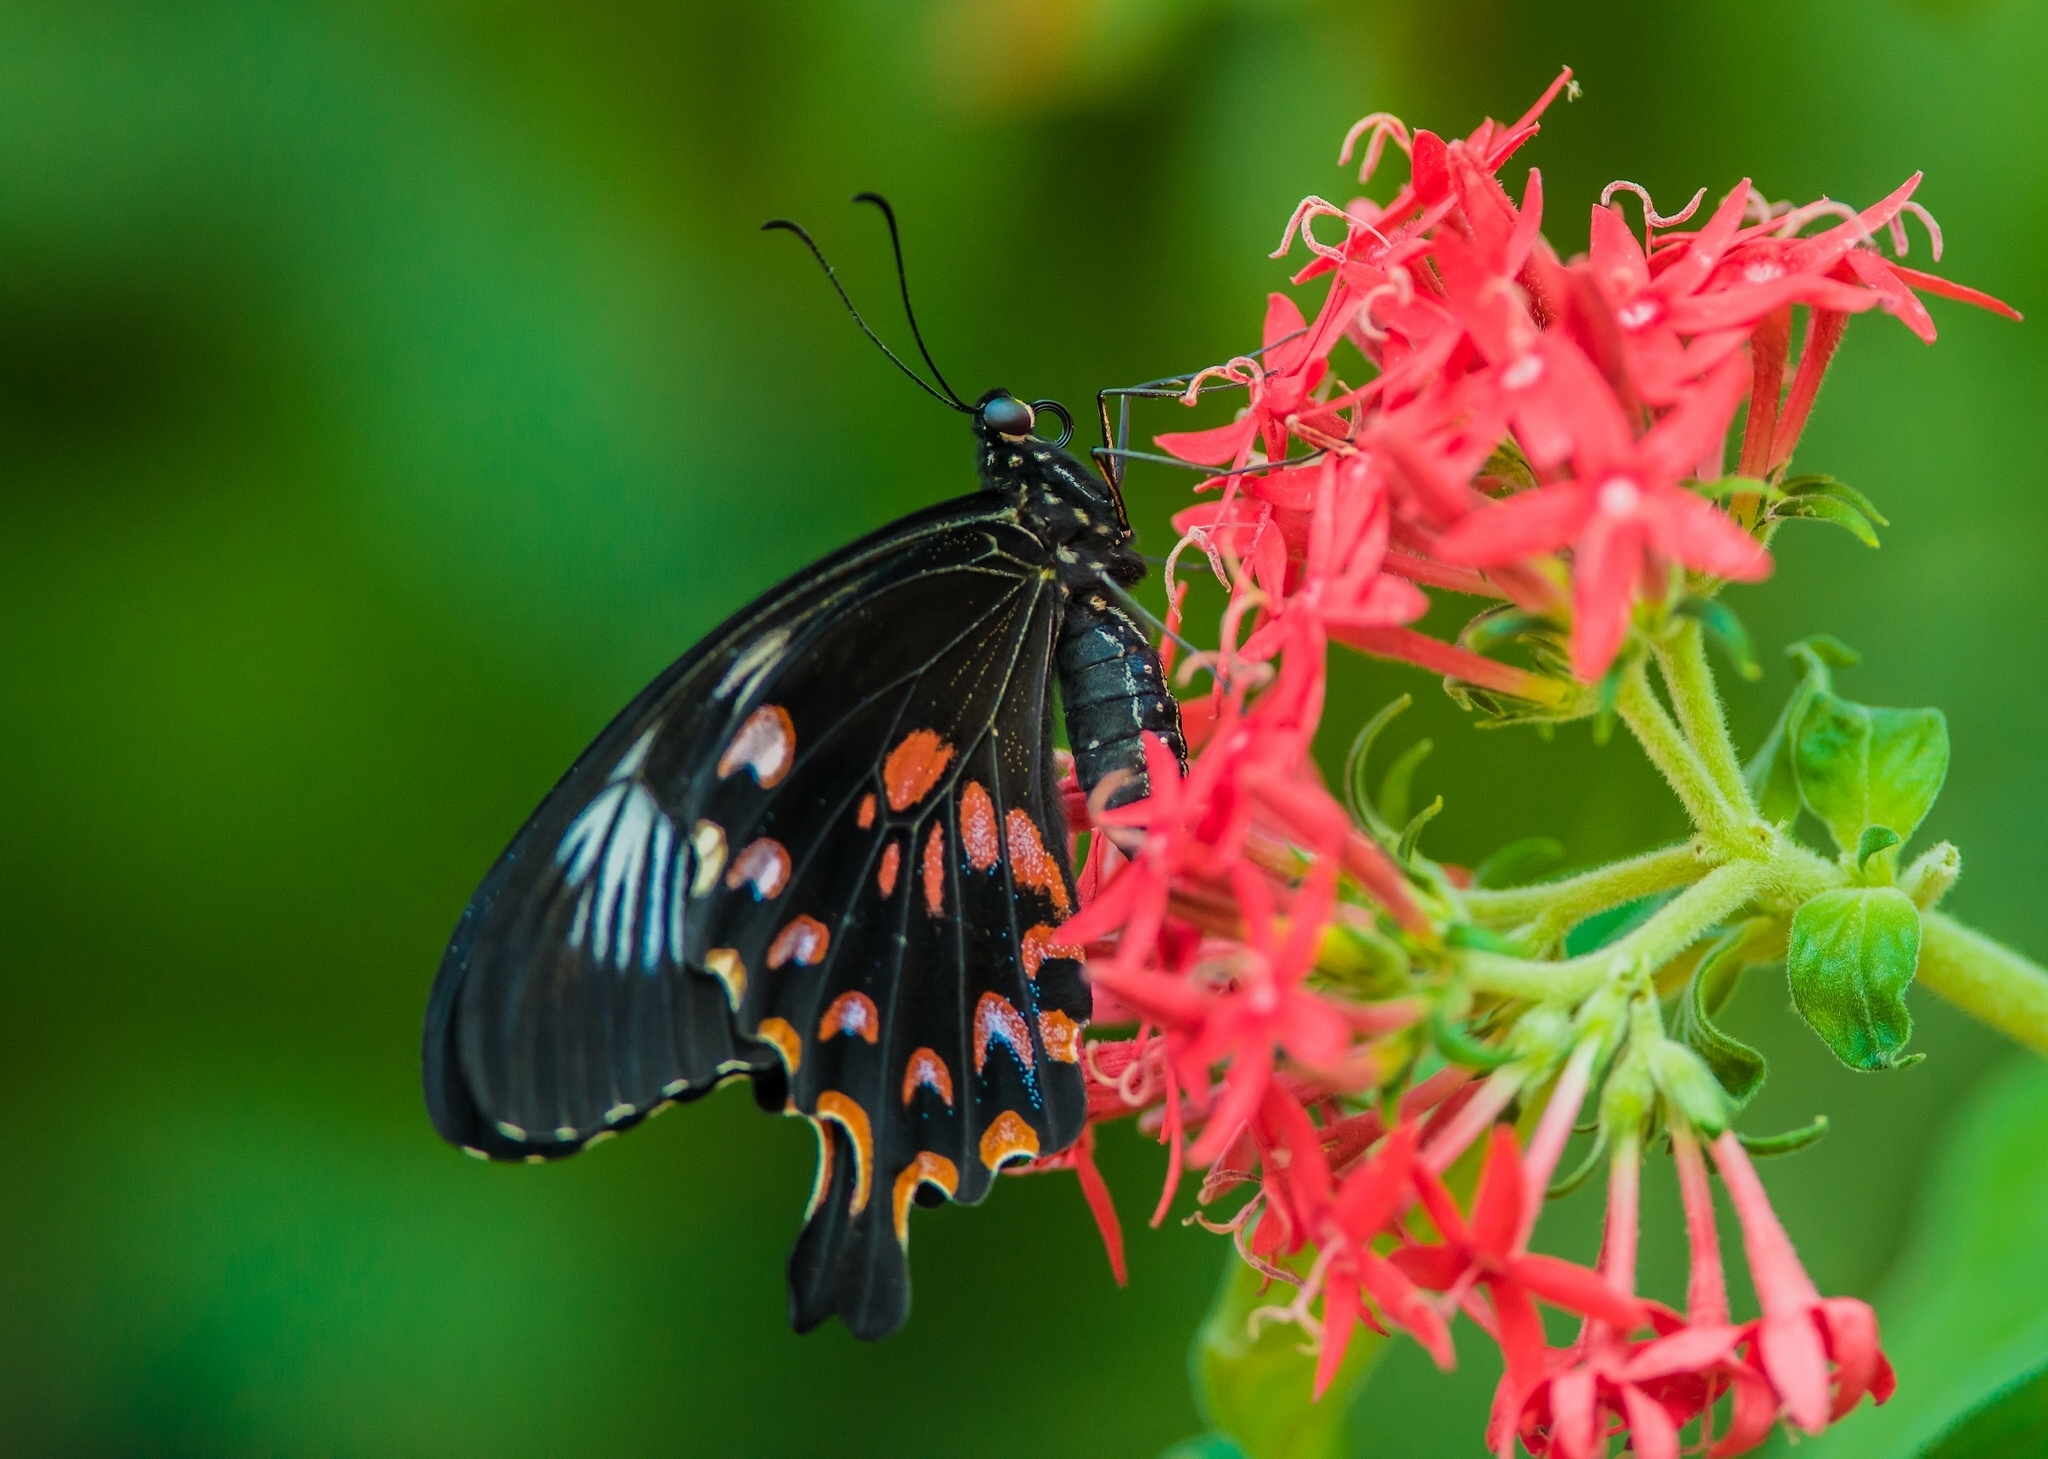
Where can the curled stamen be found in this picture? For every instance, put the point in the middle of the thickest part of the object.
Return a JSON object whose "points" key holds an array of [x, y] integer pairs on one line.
{"points": [[1312, 207], [1760, 209], [1244, 370], [1372, 296], [1898, 227], [1381, 125], [1651, 217], [1790, 224]]}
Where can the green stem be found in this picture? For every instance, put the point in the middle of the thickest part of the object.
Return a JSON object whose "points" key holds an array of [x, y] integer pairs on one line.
{"points": [[1671, 753], [1985, 979], [1572, 899], [1683, 659], [1675, 927]]}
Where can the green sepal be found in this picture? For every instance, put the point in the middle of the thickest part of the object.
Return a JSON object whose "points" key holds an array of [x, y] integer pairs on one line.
{"points": [[1852, 955], [1396, 783], [1459, 1047], [1734, 486], [1356, 797], [1721, 625], [1787, 1143], [1738, 1068], [1565, 1185], [1518, 863], [1860, 767], [1411, 834]]}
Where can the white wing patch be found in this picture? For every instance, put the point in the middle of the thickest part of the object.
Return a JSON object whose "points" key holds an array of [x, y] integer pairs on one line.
{"points": [[752, 665], [623, 851]]}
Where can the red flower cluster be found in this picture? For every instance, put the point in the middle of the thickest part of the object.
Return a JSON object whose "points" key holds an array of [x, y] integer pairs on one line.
{"points": [[1540, 432]]}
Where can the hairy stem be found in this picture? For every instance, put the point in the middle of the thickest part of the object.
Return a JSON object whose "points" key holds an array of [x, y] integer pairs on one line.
{"points": [[1675, 927], [1683, 660], [1572, 899], [1672, 753], [1986, 979]]}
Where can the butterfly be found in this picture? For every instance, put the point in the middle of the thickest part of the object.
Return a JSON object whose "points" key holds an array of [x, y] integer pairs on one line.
{"points": [[825, 851]]}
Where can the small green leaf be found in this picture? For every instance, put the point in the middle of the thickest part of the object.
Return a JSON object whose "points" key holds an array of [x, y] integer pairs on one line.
{"points": [[1853, 953], [1829, 509], [1730, 486], [1860, 767], [1873, 840], [2011, 1424], [1205, 1446], [1840, 490], [1772, 778], [1787, 1143], [1737, 1067], [1256, 1391], [1721, 625]]}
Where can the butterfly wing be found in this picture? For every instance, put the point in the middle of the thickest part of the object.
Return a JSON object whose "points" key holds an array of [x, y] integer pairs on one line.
{"points": [[823, 850]]}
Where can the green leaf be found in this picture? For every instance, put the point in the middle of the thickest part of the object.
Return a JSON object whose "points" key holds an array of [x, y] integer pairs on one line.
{"points": [[1853, 953], [1256, 1391], [1962, 1313], [1518, 862], [1840, 490], [1829, 509], [2011, 1424], [1205, 1446], [1737, 1067], [1772, 778], [1860, 767], [1732, 486], [1721, 625], [1873, 840]]}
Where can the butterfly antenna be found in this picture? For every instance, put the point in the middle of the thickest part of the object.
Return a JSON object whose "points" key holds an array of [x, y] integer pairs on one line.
{"points": [[903, 283], [838, 288]]}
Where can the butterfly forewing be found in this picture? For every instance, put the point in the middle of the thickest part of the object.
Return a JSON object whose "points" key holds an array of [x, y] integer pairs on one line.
{"points": [[823, 849]]}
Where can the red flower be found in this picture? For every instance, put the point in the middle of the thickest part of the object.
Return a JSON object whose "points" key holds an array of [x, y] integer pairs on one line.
{"points": [[1623, 513], [1488, 1250]]}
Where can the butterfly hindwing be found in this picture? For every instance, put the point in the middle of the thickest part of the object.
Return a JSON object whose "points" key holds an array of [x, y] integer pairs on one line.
{"points": [[811, 852]]}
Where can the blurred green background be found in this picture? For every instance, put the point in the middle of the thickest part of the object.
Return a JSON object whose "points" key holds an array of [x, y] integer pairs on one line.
{"points": [[387, 391]]}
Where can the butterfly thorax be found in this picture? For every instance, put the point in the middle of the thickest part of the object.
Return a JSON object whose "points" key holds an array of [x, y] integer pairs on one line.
{"points": [[1067, 506]]}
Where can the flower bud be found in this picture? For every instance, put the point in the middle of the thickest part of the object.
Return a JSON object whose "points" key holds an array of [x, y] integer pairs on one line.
{"points": [[1630, 1093], [1688, 1086]]}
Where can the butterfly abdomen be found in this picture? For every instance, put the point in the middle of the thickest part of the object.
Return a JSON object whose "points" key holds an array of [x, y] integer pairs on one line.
{"points": [[1113, 689]]}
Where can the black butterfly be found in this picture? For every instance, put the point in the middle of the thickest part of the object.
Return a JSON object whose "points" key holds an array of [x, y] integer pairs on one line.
{"points": [[824, 850]]}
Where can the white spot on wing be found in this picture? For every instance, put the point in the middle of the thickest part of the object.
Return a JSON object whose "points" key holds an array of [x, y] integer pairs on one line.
{"points": [[622, 852], [752, 665]]}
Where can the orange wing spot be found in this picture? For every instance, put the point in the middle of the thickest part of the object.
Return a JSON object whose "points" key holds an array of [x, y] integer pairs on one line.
{"points": [[782, 1034], [764, 863], [927, 1169], [1032, 865], [914, 767], [978, 827], [850, 1117], [852, 1013], [926, 1070], [994, 1018], [1060, 1035], [821, 1180], [803, 941], [1039, 944], [885, 874], [766, 745], [935, 869], [866, 816], [724, 964], [1006, 1139]]}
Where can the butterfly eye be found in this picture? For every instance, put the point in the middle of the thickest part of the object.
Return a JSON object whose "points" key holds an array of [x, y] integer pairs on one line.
{"points": [[1008, 416]]}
